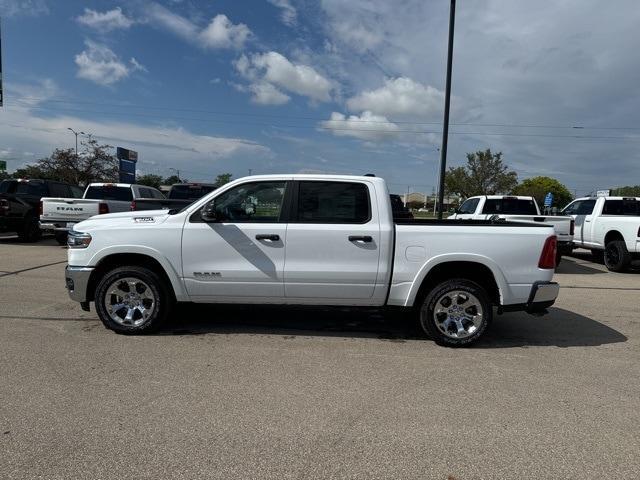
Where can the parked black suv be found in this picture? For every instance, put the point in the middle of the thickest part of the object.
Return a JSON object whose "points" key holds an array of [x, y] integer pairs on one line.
{"points": [[20, 204]]}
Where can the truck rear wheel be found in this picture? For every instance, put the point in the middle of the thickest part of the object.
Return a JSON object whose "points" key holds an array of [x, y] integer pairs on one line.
{"points": [[456, 313], [133, 300], [616, 256], [30, 231]]}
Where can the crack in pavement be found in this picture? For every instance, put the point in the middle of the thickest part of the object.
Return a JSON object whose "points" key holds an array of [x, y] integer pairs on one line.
{"points": [[6, 274], [57, 319], [599, 288]]}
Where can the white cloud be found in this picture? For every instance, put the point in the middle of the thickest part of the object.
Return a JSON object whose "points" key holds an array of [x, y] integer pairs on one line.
{"points": [[275, 69], [265, 93], [288, 13], [105, 22], [219, 33], [367, 126], [23, 129], [400, 96], [11, 8], [101, 65]]}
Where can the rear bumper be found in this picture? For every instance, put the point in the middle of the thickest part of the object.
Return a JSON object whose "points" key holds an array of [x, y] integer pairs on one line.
{"points": [[542, 296], [54, 227], [77, 283]]}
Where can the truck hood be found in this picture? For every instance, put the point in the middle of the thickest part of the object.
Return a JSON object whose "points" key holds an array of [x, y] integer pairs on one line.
{"points": [[123, 219]]}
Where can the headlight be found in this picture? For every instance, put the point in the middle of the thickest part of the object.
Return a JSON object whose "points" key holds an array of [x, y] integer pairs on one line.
{"points": [[78, 239]]}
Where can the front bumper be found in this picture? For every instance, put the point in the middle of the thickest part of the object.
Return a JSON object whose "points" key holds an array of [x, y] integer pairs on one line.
{"points": [[77, 282], [542, 296]]}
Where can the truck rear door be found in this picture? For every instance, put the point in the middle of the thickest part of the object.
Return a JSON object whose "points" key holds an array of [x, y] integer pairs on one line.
{"points": [[333, 242]]}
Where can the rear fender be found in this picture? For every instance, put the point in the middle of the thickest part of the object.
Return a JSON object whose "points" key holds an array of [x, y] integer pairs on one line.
{"points": [[501, 281]]}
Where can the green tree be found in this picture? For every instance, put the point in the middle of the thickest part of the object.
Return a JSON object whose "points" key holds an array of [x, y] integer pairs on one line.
{"points": [[627, 191], [150, 180], [484, 174], [538, 187], [172, 179], [94, 163], [222, 179]]}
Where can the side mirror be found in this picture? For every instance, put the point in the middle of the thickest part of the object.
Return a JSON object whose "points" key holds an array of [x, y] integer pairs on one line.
{"points": [[208, 212]]}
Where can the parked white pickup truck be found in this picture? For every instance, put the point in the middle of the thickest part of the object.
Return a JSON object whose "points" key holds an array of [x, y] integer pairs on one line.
{"points": [[609, 226], [314, 240], [517, 209], [59, 215]]}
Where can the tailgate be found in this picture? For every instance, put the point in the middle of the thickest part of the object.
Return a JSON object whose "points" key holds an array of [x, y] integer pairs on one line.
{"points": [[562, 225], [71, 209]]}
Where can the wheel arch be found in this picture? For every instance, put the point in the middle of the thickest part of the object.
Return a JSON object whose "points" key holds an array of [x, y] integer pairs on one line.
{"points": [[476, 269], [114, 260], [613, 235]]}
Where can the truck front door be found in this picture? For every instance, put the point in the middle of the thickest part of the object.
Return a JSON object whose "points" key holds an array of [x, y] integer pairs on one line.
{"points": [[241, 255]]}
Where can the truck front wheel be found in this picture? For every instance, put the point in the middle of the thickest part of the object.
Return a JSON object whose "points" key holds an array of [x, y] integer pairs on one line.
{"points": [[456, 313], [133, 300], [616, 256]]}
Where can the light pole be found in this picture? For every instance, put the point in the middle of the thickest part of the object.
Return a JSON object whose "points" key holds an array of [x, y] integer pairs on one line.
{"points": [[447, 102], [177, 173], [76, 134]]}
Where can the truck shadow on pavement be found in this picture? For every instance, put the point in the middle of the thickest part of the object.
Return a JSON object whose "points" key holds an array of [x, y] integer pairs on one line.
{"points": [[560, 327]]}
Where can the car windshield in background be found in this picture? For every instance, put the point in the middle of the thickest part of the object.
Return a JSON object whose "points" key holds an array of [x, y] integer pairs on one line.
{"points": [[109, 192], [510, 206], [621, 207], [189, 192]]}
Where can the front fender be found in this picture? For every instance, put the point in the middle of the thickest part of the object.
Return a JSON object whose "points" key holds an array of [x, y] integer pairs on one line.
{"points": [[174, 276]]}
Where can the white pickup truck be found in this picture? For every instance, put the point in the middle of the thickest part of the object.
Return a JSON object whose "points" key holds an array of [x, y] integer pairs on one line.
{"points": [[517, 209], [608, 226], [59, 215], [314, 240]]}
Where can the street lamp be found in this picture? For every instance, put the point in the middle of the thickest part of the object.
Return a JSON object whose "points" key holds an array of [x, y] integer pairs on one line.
{"points": [[447, 102], [177, 173], [76, 134]]}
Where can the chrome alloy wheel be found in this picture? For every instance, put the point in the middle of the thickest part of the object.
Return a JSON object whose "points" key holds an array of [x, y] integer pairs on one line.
{"points": [[458, 314], [129, 301]]}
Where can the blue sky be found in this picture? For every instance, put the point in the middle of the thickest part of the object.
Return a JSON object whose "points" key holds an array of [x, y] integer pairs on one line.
{"points": [[326, 86]]}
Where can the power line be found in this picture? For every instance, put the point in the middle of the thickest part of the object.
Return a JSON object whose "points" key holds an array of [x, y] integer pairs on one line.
{"points": [[371, 130], [25, 103]]}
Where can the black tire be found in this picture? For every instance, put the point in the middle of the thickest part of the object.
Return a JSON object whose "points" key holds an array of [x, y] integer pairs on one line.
{"points": [[598, 255], [30, 231], [61, 237], [616, 256], [163, 298], [429, 322]]}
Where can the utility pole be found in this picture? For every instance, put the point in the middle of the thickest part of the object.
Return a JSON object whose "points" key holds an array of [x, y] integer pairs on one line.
{"points": [[447, 103], [76, 134], [177, 173], [250, 170]]}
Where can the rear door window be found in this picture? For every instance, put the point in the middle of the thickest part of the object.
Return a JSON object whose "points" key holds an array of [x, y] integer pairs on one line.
{"points": [[36, 189], [621, 207], [333, 202], [109, 192]]}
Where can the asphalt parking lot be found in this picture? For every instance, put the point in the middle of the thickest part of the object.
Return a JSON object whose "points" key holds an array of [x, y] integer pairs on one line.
{"points": [[232, 392]]}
